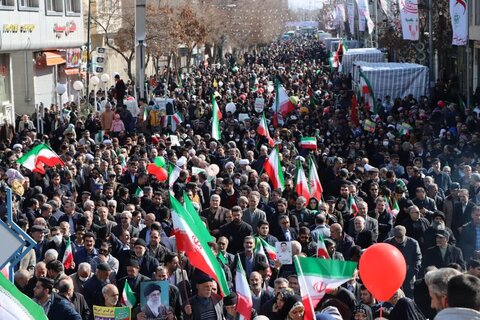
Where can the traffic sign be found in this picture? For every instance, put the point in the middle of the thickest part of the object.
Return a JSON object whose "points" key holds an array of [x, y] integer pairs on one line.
{"points": [[12, 244], [15, 242]]}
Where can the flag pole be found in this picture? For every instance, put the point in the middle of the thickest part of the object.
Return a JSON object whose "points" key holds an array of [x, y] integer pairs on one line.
{"points": [[302, 278]]}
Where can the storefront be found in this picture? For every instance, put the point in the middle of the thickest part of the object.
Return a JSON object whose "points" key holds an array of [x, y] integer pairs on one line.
{"points": [[41, 41]]}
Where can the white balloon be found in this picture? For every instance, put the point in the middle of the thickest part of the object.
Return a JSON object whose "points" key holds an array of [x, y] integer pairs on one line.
{"points": [[270, 88], [220, 84], [105, 77]]}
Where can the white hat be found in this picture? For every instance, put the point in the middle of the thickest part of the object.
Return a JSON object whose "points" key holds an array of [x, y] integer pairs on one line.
{"points": [[244, 162], [17, 145], [107, 141], [181, 161], [229, 164]]}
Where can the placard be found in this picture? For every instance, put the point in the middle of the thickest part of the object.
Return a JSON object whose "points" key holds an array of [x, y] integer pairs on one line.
{"points": [[284, 252], [154, 301]]}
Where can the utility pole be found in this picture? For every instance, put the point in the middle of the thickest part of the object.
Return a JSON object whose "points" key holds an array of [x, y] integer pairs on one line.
{"points": [[430, 44], [140, 36], [89, 59]]}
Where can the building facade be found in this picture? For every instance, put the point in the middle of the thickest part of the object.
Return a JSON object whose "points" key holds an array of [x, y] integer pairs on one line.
{"points": [[40, 47]]}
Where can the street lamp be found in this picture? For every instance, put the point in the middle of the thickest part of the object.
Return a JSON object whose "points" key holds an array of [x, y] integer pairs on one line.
{"points": [[95, 81], [78, 86], [105, 79], [60, 89]]}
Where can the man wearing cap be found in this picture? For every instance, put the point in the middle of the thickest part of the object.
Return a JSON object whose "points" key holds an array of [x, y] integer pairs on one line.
{"points": [[147, 263], [134, 278], [93, 286], [205, 304], [442, 254], [154, 309], [438, 223], [410, 250]]}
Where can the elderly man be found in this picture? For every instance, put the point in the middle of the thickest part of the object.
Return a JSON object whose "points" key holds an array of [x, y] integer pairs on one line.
{"points": [[443, 253], [371, 224], [125, 224], [362, 236], [252, 215], [93, 287], [410, 250], [205, 302], [54, 306], [343, 241], [215, 215], [111, 295], [437, 282], [249, 259], [80, 277]]}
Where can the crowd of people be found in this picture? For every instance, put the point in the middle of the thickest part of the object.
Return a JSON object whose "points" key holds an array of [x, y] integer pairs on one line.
{"points": [[416, 190]]}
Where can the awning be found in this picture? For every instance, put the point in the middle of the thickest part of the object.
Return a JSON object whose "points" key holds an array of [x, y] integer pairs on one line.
{"points": [[71, 71], [54, 58]]}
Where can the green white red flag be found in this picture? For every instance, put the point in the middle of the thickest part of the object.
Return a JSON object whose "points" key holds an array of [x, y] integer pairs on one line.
{"points": [[321, 248], [263, 247], [216, 116], [128, 297], [40, 156], [263, 130], [273, 168], [15, 305], [68, 255], [319, 276], [192, 237], [352, 205], [308, 143], [301, 182], [244, 302], [316, 189], [367, 93], [282, 106]]}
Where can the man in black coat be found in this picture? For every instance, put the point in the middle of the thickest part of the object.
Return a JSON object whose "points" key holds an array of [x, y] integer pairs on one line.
{"points": [[54, 306], [468, 235], [93, 287], [147, 263], [285, 232], [236, 231], [410, 250], [443, 253], [66, 291], [134, 278]]}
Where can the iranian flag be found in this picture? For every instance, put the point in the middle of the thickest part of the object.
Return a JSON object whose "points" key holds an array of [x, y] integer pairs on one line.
{"points": [[308, 143], [262, 130], [319, 276], [301, 184], [139, 192], [128, 297], [282, 104], [333, 60], [244, 303], [173, 174], [354, 112], [273, 168], [15, 305], [321, 248], [192, 237], [316, 189], [367, 93], [352, 205], [40, 156], [216, 116], [68, 255], [173, 120], [263, 247]]}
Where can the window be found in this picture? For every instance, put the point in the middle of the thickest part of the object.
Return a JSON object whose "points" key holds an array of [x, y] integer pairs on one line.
{"points": [[28, 5], [7, 4], [73, 7], [54, 7]]}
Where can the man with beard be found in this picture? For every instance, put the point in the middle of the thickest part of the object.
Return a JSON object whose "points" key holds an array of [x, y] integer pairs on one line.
{"points": [[154, 309], [54, 306], [236, 231], [438, 223]]}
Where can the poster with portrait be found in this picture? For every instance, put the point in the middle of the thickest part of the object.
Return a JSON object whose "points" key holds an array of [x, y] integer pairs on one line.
{"points": [[284, 252], [154, 300], [111, 313]]}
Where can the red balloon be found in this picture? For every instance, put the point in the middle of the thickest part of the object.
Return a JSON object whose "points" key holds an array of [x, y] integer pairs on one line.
{"points": [[261, 90], [243, 96], [159, 172], [382, 270]]}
